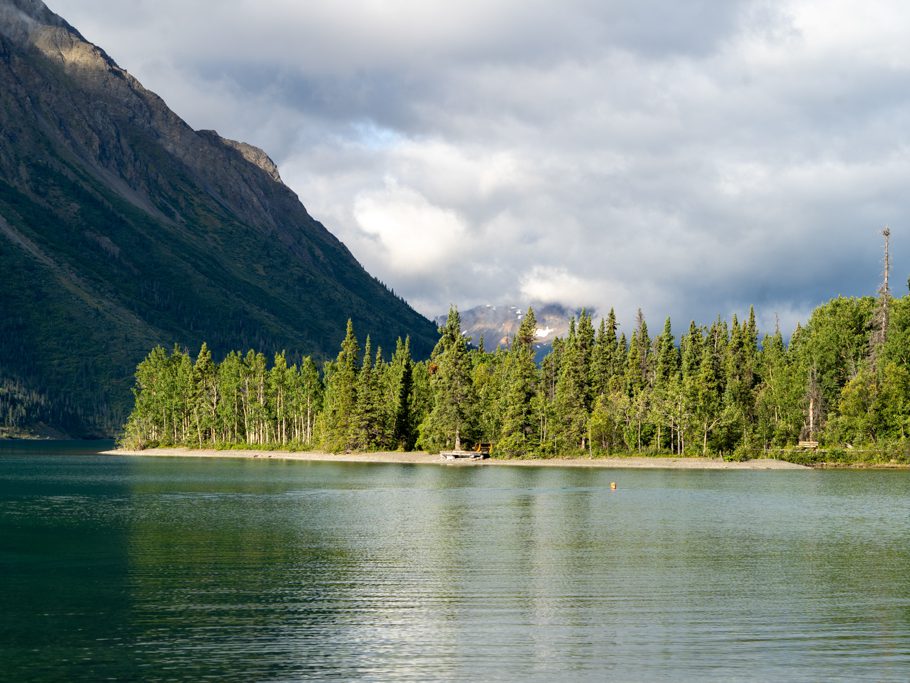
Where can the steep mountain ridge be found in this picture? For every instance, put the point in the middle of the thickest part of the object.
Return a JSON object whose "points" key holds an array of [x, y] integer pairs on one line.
{"points": [[122, 227]]}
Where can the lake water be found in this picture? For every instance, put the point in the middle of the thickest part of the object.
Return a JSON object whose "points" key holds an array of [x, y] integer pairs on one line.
{"points": [[248, 570]]}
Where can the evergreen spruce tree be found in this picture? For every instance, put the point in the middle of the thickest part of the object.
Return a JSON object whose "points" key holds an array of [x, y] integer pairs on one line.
{"points": [[664, 391], [367, 427], [638, 365], [608, 358], [739, 397], [610, 406], [572, 392], [668, 361], [709, 384], [585, 340], [341, 394], [384, 428], [778, 403], [421, 398], [519, 424], [452, 419], [488, 377], [691, 352], [544, 404], [401, 385], [601, 361]]}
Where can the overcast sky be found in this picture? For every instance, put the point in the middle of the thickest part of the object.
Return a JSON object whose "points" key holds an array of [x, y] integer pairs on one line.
{"points": [[688, 158]]}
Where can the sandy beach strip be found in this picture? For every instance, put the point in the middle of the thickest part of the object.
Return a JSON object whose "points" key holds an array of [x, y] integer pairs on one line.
{"points": [[420, 458]]}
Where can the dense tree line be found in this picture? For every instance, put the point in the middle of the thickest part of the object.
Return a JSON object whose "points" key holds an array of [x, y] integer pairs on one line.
{"points": [[18, 405], [843, 378], [25, 412]]}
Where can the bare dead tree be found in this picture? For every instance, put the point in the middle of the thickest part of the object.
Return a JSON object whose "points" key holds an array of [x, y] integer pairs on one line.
{"points": [[815, 414], [880, 318]]}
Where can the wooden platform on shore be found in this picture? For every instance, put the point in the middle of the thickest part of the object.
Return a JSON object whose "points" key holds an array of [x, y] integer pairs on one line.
{"points": [[463, 455]]}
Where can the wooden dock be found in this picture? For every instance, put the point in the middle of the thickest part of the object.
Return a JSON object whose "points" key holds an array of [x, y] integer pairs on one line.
{"points": [[463, 455], [480, 452]]}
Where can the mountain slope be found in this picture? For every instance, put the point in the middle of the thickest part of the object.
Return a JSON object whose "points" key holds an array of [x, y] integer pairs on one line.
{"points": [[121, 227]]}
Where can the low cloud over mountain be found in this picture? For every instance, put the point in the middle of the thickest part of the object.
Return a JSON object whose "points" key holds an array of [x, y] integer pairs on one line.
{"points": [[688, 158]]}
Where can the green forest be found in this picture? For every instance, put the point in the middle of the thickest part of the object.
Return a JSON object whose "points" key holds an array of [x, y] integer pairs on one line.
{"points": [[843, 380]]}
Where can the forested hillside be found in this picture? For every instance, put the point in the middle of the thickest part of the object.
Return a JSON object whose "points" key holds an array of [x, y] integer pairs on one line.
{"points": [[121, 228], [843, 379]]}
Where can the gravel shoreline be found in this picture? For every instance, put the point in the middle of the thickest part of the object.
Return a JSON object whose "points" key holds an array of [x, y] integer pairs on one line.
{"points": [[420, 458]]}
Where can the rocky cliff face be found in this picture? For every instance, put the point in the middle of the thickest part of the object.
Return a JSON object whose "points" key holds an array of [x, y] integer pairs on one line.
{"points": [[122, 227]]}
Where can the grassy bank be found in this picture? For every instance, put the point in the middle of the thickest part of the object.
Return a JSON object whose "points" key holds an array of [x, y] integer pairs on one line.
{"points": [[844, 457]]}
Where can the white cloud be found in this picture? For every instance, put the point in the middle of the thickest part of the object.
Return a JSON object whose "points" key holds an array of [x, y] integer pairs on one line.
{"points": [[415, 235], [689, 158], [555, 284]]}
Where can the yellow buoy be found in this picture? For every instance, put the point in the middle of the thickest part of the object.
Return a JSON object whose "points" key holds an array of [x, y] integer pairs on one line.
{"points": [[612, 485]]}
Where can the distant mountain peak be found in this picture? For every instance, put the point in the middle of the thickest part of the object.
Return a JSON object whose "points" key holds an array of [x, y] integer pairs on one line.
{"points": [[497, 325]]}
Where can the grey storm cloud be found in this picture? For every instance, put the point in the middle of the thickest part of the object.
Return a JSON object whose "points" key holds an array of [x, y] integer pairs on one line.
{"points": [[689, 158]]}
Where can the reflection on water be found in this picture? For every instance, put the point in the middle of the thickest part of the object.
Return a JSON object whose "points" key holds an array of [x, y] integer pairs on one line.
{"points": [[266, 570]]}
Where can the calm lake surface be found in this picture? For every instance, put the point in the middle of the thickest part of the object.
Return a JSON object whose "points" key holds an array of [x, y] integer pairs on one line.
{"points": [[247, 570]]}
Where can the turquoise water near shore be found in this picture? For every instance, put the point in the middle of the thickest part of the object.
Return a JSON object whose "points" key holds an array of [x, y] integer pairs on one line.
{"points": [[239, 570]]}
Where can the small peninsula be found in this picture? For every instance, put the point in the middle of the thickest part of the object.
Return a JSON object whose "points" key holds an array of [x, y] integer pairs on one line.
{"points": [[835, 395]]}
